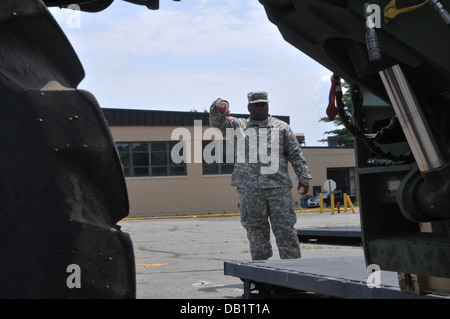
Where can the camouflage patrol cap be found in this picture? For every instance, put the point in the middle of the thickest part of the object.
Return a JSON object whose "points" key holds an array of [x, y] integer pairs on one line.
{"points": [[257, 96]]}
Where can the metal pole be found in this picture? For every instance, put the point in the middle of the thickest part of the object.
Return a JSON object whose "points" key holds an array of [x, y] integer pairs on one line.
{"points": [[413, 122]]}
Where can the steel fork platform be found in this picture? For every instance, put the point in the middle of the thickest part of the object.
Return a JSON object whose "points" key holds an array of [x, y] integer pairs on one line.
{"points": [[340, 277]]}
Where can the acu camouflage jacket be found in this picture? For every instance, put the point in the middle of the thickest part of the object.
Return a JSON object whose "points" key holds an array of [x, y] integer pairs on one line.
{"points": [[269, 146]]}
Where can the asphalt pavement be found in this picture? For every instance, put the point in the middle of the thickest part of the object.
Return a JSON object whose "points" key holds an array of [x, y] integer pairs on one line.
{"points": [[183, 258]]}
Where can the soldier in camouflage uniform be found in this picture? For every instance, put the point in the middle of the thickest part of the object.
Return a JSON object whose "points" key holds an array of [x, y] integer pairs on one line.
{"points": [[265, 195]]}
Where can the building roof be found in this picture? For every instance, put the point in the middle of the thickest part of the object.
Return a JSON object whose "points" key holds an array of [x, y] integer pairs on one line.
{"points": [[128, 117]]}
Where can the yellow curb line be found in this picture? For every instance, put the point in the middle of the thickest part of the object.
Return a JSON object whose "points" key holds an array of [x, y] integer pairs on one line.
{"points": [[216, 215], [188, 216]]}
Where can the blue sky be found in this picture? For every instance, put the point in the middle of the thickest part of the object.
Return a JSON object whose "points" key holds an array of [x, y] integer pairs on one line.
{"points": [[188, 53]]}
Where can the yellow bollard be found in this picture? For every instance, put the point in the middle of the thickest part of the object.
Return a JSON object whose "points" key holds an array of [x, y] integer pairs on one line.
{"points": [[351, 205], [345, 202], [332, 203], [321, 202]]}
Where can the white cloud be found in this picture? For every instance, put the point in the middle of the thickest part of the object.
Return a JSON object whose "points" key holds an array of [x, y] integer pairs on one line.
{"points": [[186, 54]]}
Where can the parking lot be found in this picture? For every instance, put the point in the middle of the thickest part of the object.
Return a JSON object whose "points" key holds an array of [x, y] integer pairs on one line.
{"points": [[182, 258]]}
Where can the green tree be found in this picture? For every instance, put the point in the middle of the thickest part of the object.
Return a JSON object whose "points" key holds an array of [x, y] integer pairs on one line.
{"points": [[205, 110], [345, 138]]}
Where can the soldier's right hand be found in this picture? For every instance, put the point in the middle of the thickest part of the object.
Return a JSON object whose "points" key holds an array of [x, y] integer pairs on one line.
{"points": [[223, 108]]}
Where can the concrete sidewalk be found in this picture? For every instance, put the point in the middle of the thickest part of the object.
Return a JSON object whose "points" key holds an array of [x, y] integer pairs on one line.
{"points": [[184, 258]]}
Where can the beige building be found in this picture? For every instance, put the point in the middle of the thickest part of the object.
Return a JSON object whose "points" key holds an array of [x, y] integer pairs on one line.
{"points": [[160, 184]]}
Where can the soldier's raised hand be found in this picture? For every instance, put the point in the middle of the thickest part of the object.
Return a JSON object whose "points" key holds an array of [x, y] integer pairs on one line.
{"points": [[223, 108]]}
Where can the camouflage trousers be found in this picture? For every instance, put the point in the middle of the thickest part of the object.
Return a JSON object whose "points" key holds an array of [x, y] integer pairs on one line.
{"points": [[265, 207]]}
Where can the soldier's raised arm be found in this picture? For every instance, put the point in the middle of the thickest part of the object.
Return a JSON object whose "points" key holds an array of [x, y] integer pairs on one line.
{"points": [[218, 115]]}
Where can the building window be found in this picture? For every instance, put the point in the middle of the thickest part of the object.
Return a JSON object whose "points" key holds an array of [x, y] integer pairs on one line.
{"points": [[149, 159], [215, 163]]}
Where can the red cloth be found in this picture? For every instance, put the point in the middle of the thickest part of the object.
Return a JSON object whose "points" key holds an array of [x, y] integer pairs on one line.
{"points": [[332, 110]]}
